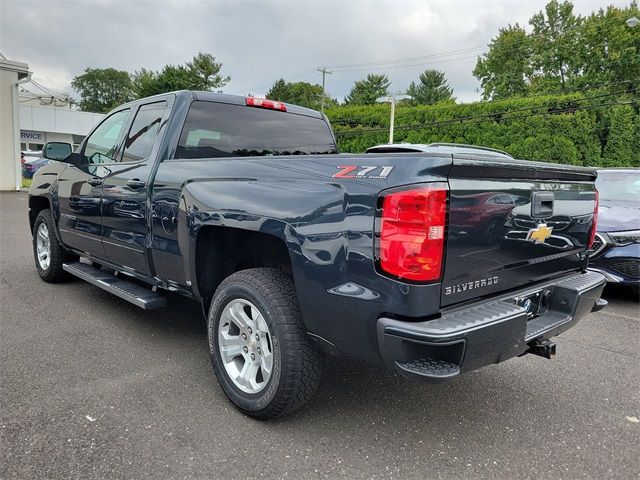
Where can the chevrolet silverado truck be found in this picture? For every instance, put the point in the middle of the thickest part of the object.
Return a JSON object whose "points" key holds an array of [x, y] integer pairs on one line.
{"points": [[294, 251]]}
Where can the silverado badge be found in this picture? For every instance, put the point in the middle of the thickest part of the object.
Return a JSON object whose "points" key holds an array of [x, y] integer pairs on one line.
{"points": [[540, 233]]}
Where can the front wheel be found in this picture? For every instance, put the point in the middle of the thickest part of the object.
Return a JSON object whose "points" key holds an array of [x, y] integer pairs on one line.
{"points": [[47, 250], [263, 359]]}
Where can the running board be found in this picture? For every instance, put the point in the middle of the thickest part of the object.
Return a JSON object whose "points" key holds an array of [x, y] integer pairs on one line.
{"points": [[131, 292]]}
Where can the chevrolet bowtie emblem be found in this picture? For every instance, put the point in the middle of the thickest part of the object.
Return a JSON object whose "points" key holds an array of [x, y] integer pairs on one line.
{"points": [[540, 233]]}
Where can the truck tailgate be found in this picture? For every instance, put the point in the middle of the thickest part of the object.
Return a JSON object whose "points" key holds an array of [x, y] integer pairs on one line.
{"points": [[512, 224]]}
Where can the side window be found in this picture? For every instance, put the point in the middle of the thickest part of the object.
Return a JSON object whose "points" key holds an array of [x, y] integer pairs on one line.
{"points": [[143, 132], [102, 144]]}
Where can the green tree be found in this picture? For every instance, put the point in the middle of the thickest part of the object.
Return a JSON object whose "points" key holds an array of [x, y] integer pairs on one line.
{"points": [[432, 88], [619, 149], [505, 70], [611, 50], [205, 72], [299, 93], [556, 47], [548, 148], [365, 92], [635, 159], [102, 89], [564, 53], [201, 73]]}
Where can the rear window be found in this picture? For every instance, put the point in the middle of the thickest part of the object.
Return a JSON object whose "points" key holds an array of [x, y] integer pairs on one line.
{"points": [[222, 130]]}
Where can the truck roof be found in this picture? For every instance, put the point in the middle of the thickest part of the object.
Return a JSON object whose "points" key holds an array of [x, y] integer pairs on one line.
{"points": [[225, 98]]}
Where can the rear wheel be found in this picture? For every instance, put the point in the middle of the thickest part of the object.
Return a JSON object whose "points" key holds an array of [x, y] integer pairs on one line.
{"points": [[47, 250], [263, 359]]}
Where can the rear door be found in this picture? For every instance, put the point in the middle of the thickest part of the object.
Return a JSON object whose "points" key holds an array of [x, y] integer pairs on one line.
{"points": [[125, 191], [512, 224]]}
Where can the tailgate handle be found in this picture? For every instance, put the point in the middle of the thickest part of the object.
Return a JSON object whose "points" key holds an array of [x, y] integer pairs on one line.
{"points": [[542, 205]]}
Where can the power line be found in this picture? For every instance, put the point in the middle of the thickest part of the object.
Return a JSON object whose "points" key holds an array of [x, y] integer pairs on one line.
{"points": [[421, 60], [407, 65], [414, 60], [408, 59], [295, 76]]}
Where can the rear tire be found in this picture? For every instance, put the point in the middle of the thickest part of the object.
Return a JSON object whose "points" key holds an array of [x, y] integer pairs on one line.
{"points": [[260, 351], [47, 250]]}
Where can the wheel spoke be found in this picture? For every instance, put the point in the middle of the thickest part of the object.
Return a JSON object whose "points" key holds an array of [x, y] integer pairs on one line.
{"points": [[247, 375], [229, 352], [238, 316], [266, 364], [261, 324]]}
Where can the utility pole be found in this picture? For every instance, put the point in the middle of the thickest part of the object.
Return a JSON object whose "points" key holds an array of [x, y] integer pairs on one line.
{"points": [[324, 73]]}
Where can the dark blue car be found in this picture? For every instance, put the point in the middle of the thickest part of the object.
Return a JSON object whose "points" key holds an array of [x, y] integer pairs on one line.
{"points": [[31, 166], [616, 248]]}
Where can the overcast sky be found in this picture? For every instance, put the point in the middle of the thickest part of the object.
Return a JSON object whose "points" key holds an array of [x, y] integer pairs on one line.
{"points": [[261, 41]]}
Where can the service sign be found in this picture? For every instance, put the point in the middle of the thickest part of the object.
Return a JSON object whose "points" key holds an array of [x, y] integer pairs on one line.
{"points": [[31, 136]]}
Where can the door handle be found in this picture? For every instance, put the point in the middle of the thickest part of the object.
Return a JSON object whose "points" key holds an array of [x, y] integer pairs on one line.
{"points": [[135, 183], [95, 182]]}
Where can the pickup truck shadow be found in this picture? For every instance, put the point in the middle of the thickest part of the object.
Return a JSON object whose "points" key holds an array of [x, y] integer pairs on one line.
{"points": [[354, 391], [358, 396]]}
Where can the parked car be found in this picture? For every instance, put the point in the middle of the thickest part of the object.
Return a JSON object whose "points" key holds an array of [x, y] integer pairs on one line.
{"points": [[245, 206], [32, 164], [446, 148], [616, 248], [27, 155]]}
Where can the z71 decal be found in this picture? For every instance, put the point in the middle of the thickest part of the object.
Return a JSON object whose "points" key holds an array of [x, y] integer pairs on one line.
{"points": [[364, 171]]}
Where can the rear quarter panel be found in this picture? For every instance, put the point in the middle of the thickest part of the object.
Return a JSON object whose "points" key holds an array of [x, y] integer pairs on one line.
{"points": [[326, 222]]}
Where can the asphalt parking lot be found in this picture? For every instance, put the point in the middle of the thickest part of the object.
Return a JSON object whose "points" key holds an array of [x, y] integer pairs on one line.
{"points": [[92, 387]]}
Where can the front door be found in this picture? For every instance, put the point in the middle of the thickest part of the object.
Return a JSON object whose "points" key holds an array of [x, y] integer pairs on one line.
{"points": [[125, 191], [80, 187]]}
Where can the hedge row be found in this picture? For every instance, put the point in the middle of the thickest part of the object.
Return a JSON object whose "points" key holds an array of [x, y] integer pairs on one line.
{"points": [[594, 129]]}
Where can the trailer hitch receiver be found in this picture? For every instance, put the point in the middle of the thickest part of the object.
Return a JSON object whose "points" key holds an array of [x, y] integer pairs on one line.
{"points": [[543, 348]]}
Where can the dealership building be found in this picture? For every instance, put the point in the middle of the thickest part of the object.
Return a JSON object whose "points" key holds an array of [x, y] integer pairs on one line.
{"points": [[48, 117], [30, 116]]}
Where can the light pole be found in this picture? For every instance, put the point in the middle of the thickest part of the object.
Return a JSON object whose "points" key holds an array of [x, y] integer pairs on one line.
{"points": [[392, 100]]}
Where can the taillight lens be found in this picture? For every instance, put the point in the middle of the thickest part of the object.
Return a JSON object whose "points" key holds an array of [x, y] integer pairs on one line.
{"points": [[262, 103], [412, 232], [594, 226]]}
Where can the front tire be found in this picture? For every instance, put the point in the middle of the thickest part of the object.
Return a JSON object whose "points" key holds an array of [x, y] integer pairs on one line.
{"points": [[261, 355], [47, 250]]}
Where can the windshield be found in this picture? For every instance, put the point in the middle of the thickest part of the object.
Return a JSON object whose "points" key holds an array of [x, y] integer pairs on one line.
{"points": [[224, 130], [622, 186]]}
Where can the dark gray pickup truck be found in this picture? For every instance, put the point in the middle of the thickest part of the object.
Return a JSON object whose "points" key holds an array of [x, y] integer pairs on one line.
{"points": [[433, 263]]}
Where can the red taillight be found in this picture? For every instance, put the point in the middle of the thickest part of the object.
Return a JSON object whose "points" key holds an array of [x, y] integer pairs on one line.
{"points": [[262, 103], [594, 226], [412, 232]]}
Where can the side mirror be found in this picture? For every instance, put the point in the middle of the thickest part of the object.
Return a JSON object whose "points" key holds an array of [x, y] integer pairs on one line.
{"points": [[56, 150]]}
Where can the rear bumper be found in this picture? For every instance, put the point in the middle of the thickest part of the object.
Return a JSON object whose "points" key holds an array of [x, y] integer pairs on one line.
{"points": [[490, 331]]}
